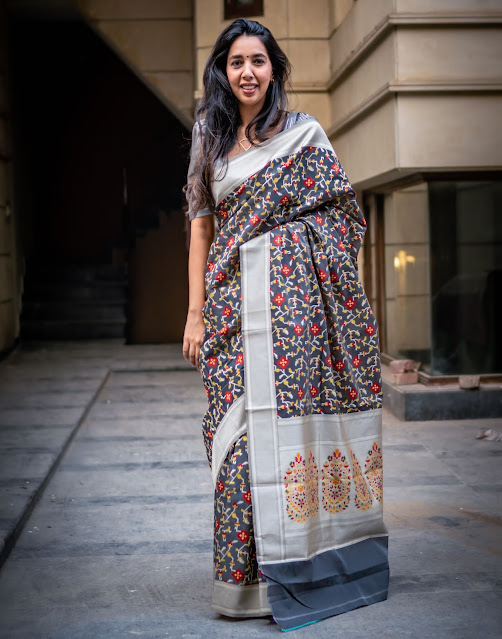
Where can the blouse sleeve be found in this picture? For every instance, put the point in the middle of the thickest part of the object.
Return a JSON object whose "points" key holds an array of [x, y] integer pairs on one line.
{"points": [[194, 153]]}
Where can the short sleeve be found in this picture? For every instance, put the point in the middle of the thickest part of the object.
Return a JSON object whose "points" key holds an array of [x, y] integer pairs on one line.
{"points": [[194, 154]]}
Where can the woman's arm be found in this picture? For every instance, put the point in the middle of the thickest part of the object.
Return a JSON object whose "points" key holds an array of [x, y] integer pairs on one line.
{"points": [[201, 238]]}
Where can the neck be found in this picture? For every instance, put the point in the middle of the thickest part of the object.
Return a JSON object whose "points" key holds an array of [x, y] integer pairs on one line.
{"points": [[248, 114]]}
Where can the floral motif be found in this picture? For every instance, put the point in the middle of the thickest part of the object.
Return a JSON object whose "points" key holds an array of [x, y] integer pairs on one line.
{"points": [[363, 497], [335, 483], [301, 485], [373, 471]]}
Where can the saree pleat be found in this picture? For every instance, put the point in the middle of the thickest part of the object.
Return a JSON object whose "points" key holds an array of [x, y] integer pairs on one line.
{"points": [[290, 363]]}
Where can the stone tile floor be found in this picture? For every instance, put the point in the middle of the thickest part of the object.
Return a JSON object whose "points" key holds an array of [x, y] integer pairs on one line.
{"points": [[119, 543]]}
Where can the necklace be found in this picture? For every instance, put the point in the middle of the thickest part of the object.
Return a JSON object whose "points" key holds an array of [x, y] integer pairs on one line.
{"points": [[242, 145]]}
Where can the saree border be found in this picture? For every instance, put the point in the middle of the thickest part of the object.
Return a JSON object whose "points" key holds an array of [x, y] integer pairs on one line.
{"points": [[233, 426], [277, 538], [241, 601], [306, 133]]}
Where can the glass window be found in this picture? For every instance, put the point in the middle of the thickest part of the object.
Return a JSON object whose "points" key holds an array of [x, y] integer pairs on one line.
{"points": [[466, 277], [407, 281]]}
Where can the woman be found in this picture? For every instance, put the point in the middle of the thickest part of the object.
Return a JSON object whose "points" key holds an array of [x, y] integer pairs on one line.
{"points": [[287, 345]]}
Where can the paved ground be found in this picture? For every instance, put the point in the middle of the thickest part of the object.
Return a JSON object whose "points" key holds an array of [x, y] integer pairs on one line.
{"points": [[119, 542]]}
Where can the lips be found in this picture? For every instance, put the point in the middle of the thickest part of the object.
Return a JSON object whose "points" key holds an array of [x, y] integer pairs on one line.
{"points": [[248, 88]]}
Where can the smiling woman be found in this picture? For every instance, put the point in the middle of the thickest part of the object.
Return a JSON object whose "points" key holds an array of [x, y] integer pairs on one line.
{"points": [[281, 329]]}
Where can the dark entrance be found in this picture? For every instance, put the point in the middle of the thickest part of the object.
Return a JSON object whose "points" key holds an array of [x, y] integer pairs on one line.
{"points": [[100, 164]]}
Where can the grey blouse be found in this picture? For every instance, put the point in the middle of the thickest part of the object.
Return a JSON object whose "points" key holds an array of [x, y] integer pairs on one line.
{"points": [[291, 120]]}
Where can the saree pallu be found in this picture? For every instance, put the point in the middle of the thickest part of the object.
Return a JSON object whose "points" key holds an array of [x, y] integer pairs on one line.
{"points": [[290, 363]]}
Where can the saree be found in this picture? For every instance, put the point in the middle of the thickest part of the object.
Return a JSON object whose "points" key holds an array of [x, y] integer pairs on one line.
{"points": [[290, 363]]}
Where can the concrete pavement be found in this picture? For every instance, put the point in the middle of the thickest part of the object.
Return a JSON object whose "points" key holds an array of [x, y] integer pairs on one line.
{"points": [[105, 438]]}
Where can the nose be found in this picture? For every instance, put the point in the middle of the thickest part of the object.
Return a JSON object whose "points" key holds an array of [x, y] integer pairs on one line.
{"points": [[247, 69]]}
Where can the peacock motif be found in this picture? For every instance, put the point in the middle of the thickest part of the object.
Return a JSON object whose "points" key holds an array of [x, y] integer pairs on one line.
{"points": [[335, 481], [301, 486], [373, 471], [363, 498]]}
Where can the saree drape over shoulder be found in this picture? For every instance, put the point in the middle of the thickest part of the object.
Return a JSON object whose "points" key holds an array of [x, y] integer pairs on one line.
{"points": [[291, 368]]}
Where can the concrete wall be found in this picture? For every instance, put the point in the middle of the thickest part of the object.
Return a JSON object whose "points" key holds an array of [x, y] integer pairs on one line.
{"points": [[424, 76], [10, 259], [155, 38]]}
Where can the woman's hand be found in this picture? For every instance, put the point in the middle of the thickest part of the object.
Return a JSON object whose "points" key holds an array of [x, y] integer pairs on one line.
{"points": [[193, 338]]}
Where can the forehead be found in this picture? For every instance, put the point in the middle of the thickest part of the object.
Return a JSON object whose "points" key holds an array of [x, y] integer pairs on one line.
{"points": [[246, 45]]}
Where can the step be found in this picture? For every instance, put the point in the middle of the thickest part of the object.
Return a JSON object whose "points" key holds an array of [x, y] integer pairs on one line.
{"points": [[73, 310], [69, 330], [77, 273], [59, 291]]}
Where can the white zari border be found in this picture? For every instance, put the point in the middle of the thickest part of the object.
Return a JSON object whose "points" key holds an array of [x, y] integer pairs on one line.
{"points": [[274, 442]]}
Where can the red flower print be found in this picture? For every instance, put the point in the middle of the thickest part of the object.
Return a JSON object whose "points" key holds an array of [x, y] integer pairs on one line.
{"points": [[284, 200], [343, 230], [207, 392], [228, 396], [230, 242], [243, 536], [356, 361], [247, 496], [306, 297], [353, 393], [212, 361], [283, 362], [240, 190], [322, 275], [287, 164], [339, 364], [313, 391], [328, 360], [217, 524], [223, 331], [315, 329], [298, 329], [279, 299], [375, 387], [333, 277], [341, 245], [300, 393], [335, 167], [318, 219], [240, 359], [277, 240], [285, 270], [254, 219], [220, 486], [295, 237], [221, 276], [210, 267], [226, 311], [370, 330], [237, 575], [350, 303], [309, 182]]}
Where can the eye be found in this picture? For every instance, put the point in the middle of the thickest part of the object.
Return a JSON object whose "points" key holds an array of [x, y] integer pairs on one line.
{"points": [[259, 61], [235, 63]]}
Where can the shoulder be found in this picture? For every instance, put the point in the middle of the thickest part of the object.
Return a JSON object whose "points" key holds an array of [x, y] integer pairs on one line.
{"points": [[295, 118]]}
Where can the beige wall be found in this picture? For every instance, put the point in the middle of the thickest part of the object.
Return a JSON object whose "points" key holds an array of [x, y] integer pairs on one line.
{"points": [[155, 38], [439, 64]]}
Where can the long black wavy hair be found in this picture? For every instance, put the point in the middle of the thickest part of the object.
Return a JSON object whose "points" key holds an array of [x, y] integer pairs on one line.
{"points": [[220, 108]]}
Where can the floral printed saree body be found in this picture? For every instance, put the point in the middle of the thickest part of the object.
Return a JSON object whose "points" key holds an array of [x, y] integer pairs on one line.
{"points": [[290, 364]]}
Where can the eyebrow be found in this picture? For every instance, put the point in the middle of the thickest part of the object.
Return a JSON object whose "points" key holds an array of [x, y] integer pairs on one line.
{"points": [[253, 55]]}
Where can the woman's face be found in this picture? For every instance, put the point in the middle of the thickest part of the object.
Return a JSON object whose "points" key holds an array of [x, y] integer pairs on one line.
{"points": [[249, 71]]}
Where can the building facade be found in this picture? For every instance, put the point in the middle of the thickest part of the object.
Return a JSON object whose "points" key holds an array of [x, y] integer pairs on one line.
{"points": [[410, 94]]}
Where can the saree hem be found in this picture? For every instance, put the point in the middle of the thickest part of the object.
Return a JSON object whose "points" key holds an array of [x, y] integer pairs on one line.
{"points": [[234, 600]]}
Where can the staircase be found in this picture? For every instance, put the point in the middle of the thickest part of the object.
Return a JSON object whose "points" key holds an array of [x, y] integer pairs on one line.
{"points": [[74, 302]]}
